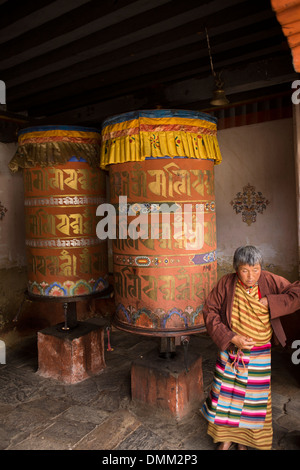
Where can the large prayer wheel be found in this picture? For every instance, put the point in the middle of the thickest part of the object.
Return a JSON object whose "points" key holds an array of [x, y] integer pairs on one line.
{"points": [[161, 169], [63, 186]]}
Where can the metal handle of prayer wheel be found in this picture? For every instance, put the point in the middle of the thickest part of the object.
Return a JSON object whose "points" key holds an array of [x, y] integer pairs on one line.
{"points": [[65, 327]]}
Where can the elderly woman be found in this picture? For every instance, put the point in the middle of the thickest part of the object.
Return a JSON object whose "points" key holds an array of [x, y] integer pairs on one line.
{"points": [[241, 314]]}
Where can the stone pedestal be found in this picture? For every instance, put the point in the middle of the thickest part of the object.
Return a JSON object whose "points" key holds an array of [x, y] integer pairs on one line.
{"points": [[71, 356], [167, 383]]}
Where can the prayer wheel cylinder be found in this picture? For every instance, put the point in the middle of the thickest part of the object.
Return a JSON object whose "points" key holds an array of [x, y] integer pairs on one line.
{"points": [[161, 170], [63, 186]]}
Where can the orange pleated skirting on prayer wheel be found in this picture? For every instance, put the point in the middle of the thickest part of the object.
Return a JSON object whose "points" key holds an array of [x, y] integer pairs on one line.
{"points": [[63, 188], [161, 169]]}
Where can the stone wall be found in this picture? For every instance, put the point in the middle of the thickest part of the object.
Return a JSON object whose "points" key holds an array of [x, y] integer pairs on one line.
{"points": [[12, 238]]}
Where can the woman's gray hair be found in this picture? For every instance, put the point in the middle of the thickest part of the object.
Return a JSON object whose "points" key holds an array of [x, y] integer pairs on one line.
{"points": [[247, 255]]}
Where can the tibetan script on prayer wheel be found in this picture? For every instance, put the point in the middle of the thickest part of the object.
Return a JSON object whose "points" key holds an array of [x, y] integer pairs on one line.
{"points": [[164, 252], [64, 255]]}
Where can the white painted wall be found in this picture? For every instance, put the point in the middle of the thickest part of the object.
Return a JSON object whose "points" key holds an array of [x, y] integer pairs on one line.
{"points": [[262, 155]]}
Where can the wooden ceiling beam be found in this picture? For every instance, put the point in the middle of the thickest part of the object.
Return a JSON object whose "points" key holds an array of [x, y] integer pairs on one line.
{"points": [[186, 34], [140, 25], [44, 104], [188, 94], [191, 33], [19, 19], [102, 54], [187, 58], [112, 70], [9, 14], [73, 28]]}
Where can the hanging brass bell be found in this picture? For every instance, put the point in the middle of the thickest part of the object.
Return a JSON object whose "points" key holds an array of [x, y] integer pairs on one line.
{"points": [[219, 98]]}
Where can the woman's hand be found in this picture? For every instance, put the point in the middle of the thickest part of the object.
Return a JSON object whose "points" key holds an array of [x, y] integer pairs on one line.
{"points": [[243, 342], [264, 302]]}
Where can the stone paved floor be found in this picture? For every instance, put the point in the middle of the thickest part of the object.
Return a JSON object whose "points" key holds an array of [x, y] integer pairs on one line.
{"points": [[98, 414]]}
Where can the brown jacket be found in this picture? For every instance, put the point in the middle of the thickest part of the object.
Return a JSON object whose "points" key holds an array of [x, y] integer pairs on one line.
{"points": [[283, 298]]}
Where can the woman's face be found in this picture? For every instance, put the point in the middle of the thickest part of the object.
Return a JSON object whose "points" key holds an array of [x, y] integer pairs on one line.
{"points": [[249, 275]]}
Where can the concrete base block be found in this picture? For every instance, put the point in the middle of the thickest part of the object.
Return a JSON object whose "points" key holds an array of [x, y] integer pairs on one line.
{"points": [[168, 384], [71, 356]]}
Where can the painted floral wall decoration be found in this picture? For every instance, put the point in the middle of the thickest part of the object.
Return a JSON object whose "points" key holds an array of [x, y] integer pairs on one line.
{"points": [[249, 203]]}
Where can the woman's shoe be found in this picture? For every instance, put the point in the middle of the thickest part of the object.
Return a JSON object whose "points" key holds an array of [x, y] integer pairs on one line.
{"points": [[225, 445], [242, 447]]}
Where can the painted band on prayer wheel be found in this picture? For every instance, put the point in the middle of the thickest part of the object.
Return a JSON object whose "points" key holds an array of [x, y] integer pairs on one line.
{"points": [[161, 167], [63, 186]]}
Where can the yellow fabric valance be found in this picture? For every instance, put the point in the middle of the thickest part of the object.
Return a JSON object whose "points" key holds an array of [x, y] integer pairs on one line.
{"points": [[47, 146], [158, 133]]}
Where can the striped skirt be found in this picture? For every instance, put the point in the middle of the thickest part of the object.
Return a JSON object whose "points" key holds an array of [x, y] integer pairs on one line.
{"points": [[238, 407]]}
